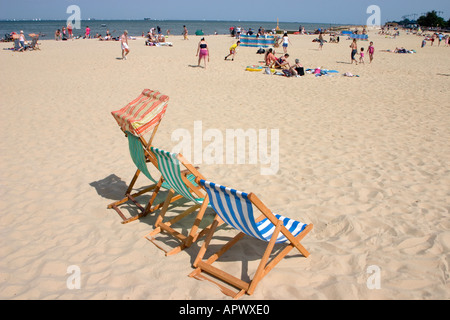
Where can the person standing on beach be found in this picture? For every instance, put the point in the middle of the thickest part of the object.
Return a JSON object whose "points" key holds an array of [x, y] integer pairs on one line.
{"points": [[87, 34], [371, 51], [321, 41], [354, 47], [286, 41], [69, 30], [185, 33], [124, 45], [202, 51]]}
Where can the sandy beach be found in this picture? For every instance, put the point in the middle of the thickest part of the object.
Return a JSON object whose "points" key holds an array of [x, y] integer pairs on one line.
{"points": [[365, 159]]}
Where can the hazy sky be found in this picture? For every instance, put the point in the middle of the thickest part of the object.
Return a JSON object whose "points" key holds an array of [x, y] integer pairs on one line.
{"points": [[329, 11]]}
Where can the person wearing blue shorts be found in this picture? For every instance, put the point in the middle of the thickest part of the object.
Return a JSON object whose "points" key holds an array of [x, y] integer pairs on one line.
{"points": [[286, 41]]}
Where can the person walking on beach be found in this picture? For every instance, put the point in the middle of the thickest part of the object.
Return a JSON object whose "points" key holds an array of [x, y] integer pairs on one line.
{"points": [[286, 41], [202, 51], [124, 45], [185, 33], [371, 51], [354, 47], [233, 50]]}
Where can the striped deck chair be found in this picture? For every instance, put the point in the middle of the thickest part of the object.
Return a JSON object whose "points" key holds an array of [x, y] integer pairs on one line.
{"points": [[182, 183], [236, 209], [140, 117]]}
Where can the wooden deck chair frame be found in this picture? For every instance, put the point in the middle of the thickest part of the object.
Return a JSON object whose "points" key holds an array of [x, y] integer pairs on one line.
{"points": [[166, 226], [264, 266], [155, 187], [141, 116]]}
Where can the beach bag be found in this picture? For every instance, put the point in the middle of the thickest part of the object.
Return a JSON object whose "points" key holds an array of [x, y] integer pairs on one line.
{"points": [[260, 51], [267, 71], [287, 73]]}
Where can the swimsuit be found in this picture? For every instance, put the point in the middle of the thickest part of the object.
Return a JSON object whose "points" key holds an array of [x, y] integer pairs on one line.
{"points": [[203, 50]]}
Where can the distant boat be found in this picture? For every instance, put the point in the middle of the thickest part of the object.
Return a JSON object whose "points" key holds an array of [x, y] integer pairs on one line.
{"points": [[147, 18], [103, 25]]}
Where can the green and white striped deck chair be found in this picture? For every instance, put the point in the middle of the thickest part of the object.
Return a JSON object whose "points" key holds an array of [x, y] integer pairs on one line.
{"points": [[235, 208], [141, 158], [141, 116], [169, 164]]}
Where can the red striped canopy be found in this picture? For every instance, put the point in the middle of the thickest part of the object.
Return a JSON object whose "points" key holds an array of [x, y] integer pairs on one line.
{"points": [[143, 113]]}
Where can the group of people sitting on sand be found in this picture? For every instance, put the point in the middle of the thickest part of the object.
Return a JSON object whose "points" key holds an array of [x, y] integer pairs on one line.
{"points": [[154, 39], [289, 69]]}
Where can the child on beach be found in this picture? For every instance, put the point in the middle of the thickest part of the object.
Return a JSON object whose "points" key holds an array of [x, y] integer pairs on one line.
{"points": [[361, 56], [124, 45], [233, 50], [371, 51]]}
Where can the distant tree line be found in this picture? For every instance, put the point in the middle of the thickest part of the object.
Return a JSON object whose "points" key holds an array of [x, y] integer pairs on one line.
{"points": [[430, 19]]}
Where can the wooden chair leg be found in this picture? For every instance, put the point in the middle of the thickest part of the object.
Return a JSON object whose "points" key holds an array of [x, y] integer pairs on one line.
{"points": [[260, 271]]}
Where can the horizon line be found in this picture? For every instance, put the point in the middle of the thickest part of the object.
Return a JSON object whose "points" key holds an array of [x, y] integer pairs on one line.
{"points": [[144, 19]]}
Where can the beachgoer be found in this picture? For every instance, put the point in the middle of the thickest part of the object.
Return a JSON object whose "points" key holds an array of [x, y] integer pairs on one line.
{"points": [[185, 33], [286, 42], [124, 45], [22, 41], [297, 69], [202, 51], [270, 58], [87, 34], [69, 30], [58, 34], [233, 50], [354, 47], [238, 32], [321, 41], [283, 62], [371, 51], [361, 56]]}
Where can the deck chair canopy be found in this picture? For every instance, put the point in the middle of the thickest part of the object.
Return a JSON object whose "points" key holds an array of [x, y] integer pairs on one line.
{"points": [[143, 113]]}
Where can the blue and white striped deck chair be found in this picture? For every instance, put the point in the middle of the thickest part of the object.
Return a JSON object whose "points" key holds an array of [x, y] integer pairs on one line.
{"points": [[141, 158], [236, 209], [181, 183]]}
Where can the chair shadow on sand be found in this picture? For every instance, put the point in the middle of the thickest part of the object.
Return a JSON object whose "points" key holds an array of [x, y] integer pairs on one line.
{"points": [[111, 187]]}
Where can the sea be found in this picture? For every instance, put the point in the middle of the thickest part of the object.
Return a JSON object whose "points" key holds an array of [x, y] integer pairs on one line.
{"points": [[136, 28]]}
